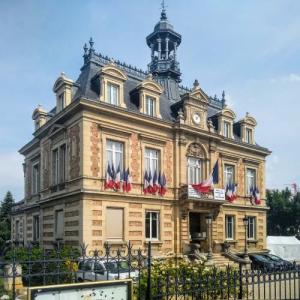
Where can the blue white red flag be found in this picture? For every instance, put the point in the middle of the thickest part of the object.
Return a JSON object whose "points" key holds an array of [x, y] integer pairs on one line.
{"points": [[146, 182], [206, 186], [109, 182], [163, 185], [231, 192]]}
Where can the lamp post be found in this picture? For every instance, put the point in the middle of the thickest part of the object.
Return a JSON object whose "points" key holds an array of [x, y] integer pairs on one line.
{"points": [[246, 223], [209, 236]]}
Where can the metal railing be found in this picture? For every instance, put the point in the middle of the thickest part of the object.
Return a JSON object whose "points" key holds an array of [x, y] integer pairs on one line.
{"points": [[169, 278]]}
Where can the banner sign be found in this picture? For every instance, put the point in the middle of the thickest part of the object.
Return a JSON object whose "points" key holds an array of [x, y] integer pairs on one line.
{"points": [[98, 290], [219, 194]]}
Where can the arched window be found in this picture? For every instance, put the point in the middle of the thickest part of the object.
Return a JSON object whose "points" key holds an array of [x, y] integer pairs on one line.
{"points": [[194, 170]]}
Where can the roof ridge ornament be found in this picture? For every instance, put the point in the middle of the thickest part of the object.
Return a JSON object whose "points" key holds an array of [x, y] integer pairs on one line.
{"points": [[163, 15]]}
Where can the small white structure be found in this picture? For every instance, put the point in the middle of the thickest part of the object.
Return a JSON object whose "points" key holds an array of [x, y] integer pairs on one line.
{"points": [[286, 247]]}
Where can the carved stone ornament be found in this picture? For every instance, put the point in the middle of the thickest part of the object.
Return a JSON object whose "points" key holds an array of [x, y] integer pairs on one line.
{"points": [[195, 149]]}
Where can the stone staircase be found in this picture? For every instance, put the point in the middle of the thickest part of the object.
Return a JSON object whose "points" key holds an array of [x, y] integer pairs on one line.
{"points": [[219, 260]]}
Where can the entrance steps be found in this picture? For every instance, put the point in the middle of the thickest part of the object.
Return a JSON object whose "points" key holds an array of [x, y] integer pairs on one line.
{"points": [[218, 260]]}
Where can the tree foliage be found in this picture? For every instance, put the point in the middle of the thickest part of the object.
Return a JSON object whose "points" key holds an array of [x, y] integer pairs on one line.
{"points": [[5, 218], [284, 214]]}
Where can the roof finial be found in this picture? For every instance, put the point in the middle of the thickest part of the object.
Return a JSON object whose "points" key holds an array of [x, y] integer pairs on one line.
{"points": [[85, 48], [223, 95], [91, 42], [163, 15]]}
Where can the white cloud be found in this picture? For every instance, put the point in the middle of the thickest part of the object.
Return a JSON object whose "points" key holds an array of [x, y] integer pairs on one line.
{"points": [[11, 174]]}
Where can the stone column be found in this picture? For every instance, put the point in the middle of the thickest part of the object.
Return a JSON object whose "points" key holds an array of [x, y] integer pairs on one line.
{"points": [[175, 50], [159, 48], [152, 51], [167, 48]]}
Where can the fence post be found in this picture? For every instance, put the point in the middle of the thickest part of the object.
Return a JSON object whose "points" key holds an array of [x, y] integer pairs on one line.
{"points": [[240, 296], [148, 292]]}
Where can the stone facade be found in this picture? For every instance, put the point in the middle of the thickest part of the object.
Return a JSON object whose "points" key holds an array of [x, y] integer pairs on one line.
{"points": [[71, 149]]}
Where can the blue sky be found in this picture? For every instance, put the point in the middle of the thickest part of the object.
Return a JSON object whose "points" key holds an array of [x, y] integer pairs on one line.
{"points": [[249, 48]]}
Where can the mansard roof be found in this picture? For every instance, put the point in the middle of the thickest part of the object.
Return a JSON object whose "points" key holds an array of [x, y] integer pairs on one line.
{"points": [[89, 86]]}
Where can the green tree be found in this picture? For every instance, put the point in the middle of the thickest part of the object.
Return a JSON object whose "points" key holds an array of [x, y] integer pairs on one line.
{"points": [[5, 218], [284, 215]]}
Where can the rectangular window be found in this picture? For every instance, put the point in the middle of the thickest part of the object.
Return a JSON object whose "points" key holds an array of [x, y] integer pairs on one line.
{"points": [[36, 228], [250, 180], [35, 178], [150, 106], [59, 224], [55, 168], [114, 224], [251, 228], [59, 165], [249, 135], [62, 163], [227, 129], [194, 170], [61, 102], [152, 160], [114, 154], [113, 94], [229, 227], [228, 174], [152, 225]]}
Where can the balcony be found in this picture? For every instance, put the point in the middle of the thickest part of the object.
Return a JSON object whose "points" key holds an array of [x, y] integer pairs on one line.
{"points": [[188, 193]]}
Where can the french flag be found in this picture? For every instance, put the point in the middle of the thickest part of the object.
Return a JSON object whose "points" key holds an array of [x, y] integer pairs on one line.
{"points": [[255, 196], [146, 182], [127, 181], [163, 185], [150, 183], [231, 192], [155, 183], [205, 186], [109, 182], [117, 181]]}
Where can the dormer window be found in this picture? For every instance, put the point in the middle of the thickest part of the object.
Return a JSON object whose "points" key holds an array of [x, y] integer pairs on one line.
{"points": [[150, 106], [249, 135], [227, 129], [113, 93], [61, 102], [112, 81]]}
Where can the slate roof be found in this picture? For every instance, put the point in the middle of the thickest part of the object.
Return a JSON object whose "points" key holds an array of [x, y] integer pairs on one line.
{"points": [[89, 86]]}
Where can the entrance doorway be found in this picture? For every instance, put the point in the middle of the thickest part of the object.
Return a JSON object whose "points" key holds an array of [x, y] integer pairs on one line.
{"points": [[197, 226]]}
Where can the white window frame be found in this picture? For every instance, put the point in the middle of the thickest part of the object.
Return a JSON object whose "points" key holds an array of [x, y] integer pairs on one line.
{"points": [[35, 178], [113, 93], [194, 170], [249, 135], [152, 160], [227, 129], [249, 180], [229, 231], [150, 220], [116, 149], [251, 223], [59, 164], [150, 104], [61, 101], [227, 174]]}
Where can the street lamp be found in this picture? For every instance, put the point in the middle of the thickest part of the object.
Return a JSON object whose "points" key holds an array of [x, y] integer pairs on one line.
{"points": [[246, 223], [209, 236]]}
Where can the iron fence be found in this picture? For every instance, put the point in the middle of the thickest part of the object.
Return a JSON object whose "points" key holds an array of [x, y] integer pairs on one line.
{"points": [[152, 279]]}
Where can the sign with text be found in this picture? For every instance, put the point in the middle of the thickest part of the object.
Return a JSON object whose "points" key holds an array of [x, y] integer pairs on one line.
{"points": [[100, 290], [219, 194]]}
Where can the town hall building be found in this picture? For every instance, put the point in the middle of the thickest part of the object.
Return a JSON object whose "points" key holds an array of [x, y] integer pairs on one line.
{"points": [[121, 124]]}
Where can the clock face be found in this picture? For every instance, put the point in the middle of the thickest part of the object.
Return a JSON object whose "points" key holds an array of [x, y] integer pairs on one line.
{"points": [[196, 118]]}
